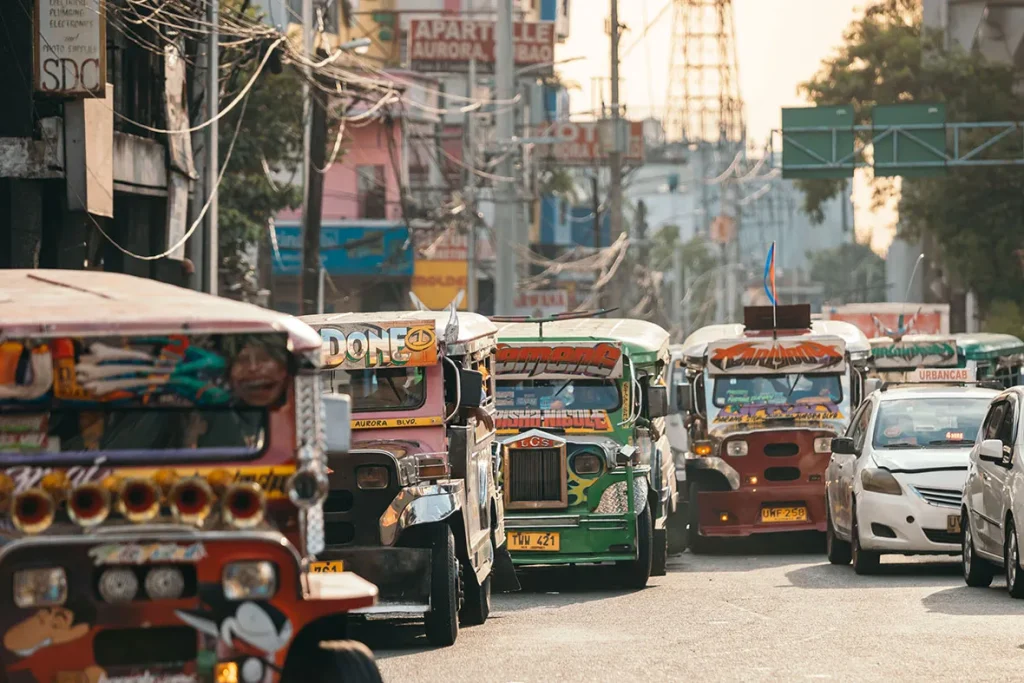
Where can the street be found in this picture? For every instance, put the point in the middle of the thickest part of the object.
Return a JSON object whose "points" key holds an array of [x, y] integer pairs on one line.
{"points": [[764, 610]]}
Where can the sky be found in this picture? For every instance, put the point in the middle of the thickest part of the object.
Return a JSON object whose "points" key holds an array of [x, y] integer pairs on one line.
{"points": [[779, 44]]}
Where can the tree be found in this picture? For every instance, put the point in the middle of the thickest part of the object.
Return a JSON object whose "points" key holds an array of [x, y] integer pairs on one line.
{"points": [[975, 215], [849, 273]]}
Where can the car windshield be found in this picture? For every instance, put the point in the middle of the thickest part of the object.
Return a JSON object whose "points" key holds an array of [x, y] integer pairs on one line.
{"points": [[381, 389], [793, 389], [928, 422], [558, 394]]}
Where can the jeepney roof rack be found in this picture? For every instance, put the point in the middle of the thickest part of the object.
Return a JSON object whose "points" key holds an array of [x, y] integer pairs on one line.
{"points": [[981, 384], [571, 315]]}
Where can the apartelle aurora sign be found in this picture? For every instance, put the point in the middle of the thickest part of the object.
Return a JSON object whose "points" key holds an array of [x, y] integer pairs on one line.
{"points": [[70, 48], [777, 356], [450, 44]]}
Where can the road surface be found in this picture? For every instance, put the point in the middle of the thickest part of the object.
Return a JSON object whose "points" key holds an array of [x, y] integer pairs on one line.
{"points": [[767, 610]]}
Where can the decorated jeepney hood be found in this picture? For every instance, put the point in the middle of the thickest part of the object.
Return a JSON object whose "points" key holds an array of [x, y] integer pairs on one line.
{"points": [[785, 351]]}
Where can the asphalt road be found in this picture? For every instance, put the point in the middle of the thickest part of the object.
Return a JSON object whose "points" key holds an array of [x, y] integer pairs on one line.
{"points": [[768, 610]]}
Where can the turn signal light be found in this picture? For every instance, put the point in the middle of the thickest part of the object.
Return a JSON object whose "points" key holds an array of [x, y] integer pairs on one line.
{"points": [[138, 500], [89, 505], [244, 505], [191, 500], [32, 511], [702, 448]]}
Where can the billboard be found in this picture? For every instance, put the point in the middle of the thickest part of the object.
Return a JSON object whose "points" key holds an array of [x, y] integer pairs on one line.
{"points": [[882, 319], [582, 143], [379, 248], [448, 44], [70, 48], [777, 356], [438, 283]]}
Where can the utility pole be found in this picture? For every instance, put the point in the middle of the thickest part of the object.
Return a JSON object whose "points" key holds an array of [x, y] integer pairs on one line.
{"points": [[469, 154], [211, 266], [615, 158], [313, 191], [506, 209], [596, 210]]}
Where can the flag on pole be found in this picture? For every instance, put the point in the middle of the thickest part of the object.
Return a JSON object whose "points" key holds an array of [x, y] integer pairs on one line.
{"points": [[769, 275]]}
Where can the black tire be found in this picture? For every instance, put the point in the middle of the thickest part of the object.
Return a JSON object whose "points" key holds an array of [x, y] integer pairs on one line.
{"points": [[864, 561], [659, 558], [311, 660], [837, 549], [678, 538], [441, 622], [697, 543], [978, 572], [476, 605], [634, 574], [1011, 561]]}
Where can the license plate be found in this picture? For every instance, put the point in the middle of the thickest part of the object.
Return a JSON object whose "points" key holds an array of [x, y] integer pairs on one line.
{"points": [[787, 514], [331, 567], [534, 540], [953, 524]]}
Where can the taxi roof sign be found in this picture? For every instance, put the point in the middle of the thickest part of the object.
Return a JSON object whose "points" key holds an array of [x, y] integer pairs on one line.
{"points": [[925, 375]]}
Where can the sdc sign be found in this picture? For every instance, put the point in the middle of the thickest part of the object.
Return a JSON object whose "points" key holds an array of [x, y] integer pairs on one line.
{"points": [[70, 47]]}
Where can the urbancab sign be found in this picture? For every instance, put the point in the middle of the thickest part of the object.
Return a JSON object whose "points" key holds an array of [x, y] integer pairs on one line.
{"points": [[912, 354], [601, 360], [71, 48], [362, 346], [943, 375], [777, 356], [448, 44]]}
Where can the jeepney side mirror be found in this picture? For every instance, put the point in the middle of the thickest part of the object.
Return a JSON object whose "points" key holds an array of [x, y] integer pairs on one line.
{"points": [[843, 445], [337, 422], [656, 400], [626, 455], [471, 386], [684, 399]]}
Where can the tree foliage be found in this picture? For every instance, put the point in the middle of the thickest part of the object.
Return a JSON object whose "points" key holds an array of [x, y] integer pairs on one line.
{"points": [[850, 273], [976, 215]]}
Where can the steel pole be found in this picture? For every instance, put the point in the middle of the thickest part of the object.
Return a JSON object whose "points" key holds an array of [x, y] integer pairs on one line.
{"points": [[506, 214], [211, 267], [469, 154]]}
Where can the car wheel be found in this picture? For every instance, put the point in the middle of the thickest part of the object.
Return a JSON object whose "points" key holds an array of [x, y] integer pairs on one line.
{"points": [[978, 572], [837, 549], [442, 621], [864, 561], [1011, 557]]}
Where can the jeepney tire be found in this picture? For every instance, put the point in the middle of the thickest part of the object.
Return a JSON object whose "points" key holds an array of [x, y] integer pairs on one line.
{"points": [[864, 561], [659, 558], [635, 573], [978, 572], [678, 537], [476, 605], [441, 621], [697, 543], [346, 660], [837, 549]]}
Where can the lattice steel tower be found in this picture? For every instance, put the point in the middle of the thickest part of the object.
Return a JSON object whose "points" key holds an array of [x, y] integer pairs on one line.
{"points": [[704, 104]]}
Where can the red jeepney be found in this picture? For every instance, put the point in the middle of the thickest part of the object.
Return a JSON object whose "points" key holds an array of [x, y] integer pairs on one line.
{"points": [[763, 401], [163, 465]]}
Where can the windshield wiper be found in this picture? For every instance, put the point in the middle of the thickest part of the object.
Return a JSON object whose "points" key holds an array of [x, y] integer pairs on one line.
{"points": [[903, 445], [950, 442]]}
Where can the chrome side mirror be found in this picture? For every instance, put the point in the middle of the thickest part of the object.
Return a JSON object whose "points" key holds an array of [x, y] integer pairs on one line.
{"points": [[337, 423]]}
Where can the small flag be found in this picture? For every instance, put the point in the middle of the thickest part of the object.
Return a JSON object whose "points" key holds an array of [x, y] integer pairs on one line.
{"points": [[769, 275]]}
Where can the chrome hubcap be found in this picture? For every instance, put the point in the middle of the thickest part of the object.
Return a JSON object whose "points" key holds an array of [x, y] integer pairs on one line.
{"points": [[967, 550], [1011, 564]]}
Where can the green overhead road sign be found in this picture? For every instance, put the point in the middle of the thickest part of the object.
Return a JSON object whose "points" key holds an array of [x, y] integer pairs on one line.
{"points": [[907, 139]]}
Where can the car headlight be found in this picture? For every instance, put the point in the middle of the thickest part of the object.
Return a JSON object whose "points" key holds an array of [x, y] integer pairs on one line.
{"points": [[586, 463], [736, 448], [40, 587], [255, 580], [880, 481], [823, 444], [372, 477]]}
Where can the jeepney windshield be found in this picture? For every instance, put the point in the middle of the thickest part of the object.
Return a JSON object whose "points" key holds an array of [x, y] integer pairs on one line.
{"points": [[381, 389], [558, 394], [758, 398]]}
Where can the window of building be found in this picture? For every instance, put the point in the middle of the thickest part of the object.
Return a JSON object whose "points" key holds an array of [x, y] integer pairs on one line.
{"points": [[372, 191]]}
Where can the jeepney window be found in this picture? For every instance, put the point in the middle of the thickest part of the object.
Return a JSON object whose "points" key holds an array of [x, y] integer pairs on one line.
{"points": [[380, 389], [777, 390], [558, 394]]}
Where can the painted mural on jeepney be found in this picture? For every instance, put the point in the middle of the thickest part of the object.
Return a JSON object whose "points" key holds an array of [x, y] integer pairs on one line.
{"points": [[762, 412], [571, 421], [907, 355], [361, 346], [600, 360], [759, 356]]}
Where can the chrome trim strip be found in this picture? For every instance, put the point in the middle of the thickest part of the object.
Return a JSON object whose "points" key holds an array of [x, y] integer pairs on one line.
{"points": [[392, 610], [421, 505], [546, 521], [713, 462]]}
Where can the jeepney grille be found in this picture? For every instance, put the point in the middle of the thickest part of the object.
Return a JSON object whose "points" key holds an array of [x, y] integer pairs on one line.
{"points": [[536, 475]]}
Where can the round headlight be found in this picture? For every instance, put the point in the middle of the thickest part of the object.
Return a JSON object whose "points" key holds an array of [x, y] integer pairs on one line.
{"points": [[587, 463], [119, 585], [165, 583], [306, 488]]}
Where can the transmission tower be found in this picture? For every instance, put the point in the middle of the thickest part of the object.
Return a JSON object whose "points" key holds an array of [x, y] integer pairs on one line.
{"points": [[704, 104]]}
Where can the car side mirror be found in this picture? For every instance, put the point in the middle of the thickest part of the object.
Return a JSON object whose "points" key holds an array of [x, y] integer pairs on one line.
{"points": [[656, 400], [991, 450], [843, 445], [337, 416], [471, 387], [684, 399]]}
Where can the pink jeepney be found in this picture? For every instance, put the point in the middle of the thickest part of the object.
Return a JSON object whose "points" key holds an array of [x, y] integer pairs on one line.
{"points": [[414, 505]]}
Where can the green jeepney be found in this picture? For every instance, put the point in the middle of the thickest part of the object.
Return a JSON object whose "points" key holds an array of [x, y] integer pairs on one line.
{"points": [[587, 472], [981, 356]]}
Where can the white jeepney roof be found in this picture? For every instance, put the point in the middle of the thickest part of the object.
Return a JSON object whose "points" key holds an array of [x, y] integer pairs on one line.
{"points": [[639, 333], [696, 345], [472, 326]]}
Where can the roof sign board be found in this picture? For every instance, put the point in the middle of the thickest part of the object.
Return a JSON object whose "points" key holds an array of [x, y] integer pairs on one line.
{"points": [[359, 248], [817, 142], [905, 355], [598, 360], [771, 356], [70, 48], [365, 346], [447, 44], [943, 375], [909, 153], [580, 142]]}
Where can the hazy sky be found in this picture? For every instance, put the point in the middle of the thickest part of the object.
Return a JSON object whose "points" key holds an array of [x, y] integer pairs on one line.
{"points": [[780, 43]]}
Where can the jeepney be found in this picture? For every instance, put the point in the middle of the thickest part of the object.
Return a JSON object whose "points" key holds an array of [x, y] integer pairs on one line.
{"points": [[414, 506], [162, 472], [587, 475], [765, 399], [985, 357], [678, 439]]}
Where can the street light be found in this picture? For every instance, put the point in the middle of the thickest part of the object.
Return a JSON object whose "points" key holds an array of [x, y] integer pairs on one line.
{"points": [[360, 46]]}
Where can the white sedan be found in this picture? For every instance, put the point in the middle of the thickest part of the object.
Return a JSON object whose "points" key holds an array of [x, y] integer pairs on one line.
{"points": [[895, 480]]}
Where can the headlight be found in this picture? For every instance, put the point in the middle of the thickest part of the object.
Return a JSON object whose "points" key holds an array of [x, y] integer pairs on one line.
{"points": [[823, 444], [372, 477], [880, 481], [586, 463], [40, 587], [736, 448], [165, 583], [250, 580]]}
